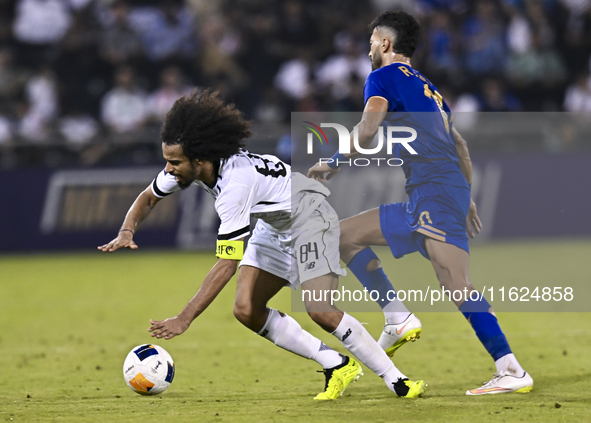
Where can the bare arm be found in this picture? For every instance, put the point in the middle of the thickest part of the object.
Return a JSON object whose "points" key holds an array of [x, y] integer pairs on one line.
{"points": [[137, 213], [373, 116], [214, 282], [463, 156]]}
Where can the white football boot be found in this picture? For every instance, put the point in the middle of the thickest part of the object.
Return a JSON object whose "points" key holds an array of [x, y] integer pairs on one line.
{"points": [[395, 336], [503, 383]]}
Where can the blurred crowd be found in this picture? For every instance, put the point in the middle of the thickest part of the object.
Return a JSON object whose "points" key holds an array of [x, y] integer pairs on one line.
{"points": [[82, 70]]}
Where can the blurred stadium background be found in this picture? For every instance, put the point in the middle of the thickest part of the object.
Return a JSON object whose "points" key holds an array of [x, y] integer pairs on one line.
{"points": [[84, 85]]}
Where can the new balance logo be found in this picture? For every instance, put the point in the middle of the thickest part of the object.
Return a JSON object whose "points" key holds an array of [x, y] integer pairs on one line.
{"points": [[346, 335], [264, 333], [309, 266]]}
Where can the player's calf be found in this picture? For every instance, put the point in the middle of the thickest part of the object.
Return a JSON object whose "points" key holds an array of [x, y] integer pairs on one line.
{"points": [[326, 320]]}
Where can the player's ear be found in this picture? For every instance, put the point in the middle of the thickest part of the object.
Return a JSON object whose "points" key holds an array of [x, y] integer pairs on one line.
{"points": [[386, 44]]}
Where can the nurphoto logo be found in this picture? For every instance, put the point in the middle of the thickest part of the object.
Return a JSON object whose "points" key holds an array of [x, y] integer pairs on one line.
{"points": [[345, 145]]}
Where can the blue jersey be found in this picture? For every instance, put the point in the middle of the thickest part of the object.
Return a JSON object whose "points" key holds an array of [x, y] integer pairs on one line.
{"points": [[417, 104]]}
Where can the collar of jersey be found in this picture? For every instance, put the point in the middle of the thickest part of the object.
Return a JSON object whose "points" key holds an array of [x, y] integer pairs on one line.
{"points": [[402, 63], [216, 172]]}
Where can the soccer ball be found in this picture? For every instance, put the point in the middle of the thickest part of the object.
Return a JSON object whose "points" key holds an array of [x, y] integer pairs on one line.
{"points": [[148, 369]]}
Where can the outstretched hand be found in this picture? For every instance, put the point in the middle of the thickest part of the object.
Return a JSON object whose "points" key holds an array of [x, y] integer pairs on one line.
{"points": [[168, 328], [473, 223], [123, 240], [322, 172]]}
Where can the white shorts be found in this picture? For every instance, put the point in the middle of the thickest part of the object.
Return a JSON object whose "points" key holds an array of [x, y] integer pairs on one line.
{"points": [[306, 252]]}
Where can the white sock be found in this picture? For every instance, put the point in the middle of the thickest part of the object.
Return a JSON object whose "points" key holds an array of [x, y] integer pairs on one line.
{"points": [[359, 342], [286, 333], [392, 376], [509, 364], [327, 358], [395, 312]]}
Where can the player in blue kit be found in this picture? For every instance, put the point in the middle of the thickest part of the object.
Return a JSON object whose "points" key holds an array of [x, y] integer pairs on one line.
{"points": [[439, 215]]}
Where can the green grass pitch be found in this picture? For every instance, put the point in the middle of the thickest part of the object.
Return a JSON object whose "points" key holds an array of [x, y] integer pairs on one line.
{"points": [[68, 321]]}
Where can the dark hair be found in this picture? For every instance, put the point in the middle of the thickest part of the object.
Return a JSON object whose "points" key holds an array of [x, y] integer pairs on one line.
{"points": [[205, 127], [406, 28]]}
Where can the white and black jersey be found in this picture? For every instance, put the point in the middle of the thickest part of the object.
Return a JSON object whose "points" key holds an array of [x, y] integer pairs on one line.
{"points": [[247, 184]]}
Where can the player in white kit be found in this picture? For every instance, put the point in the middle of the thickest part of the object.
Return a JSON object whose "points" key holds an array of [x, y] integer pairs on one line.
{"points": [[294, 242]]}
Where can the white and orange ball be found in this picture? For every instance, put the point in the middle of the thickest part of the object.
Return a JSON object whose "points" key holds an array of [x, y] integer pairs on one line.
{"points": [[148, 369]]}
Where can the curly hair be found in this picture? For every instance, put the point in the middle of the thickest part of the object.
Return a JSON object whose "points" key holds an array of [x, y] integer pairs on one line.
{"points": [[205, 127], [406, 28]]}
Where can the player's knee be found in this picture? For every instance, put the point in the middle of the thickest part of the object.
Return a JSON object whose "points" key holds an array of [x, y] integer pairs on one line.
{"points": [[348, 245], [249, 315], [323, 319], [243, 313], [344, 240]]}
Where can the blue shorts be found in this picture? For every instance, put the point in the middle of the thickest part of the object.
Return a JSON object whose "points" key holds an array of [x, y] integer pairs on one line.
{"points": [[433, 210]]}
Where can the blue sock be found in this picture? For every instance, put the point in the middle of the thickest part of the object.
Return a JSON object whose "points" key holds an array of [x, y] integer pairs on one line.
{"points": [[375, 280], [486, 327]]}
